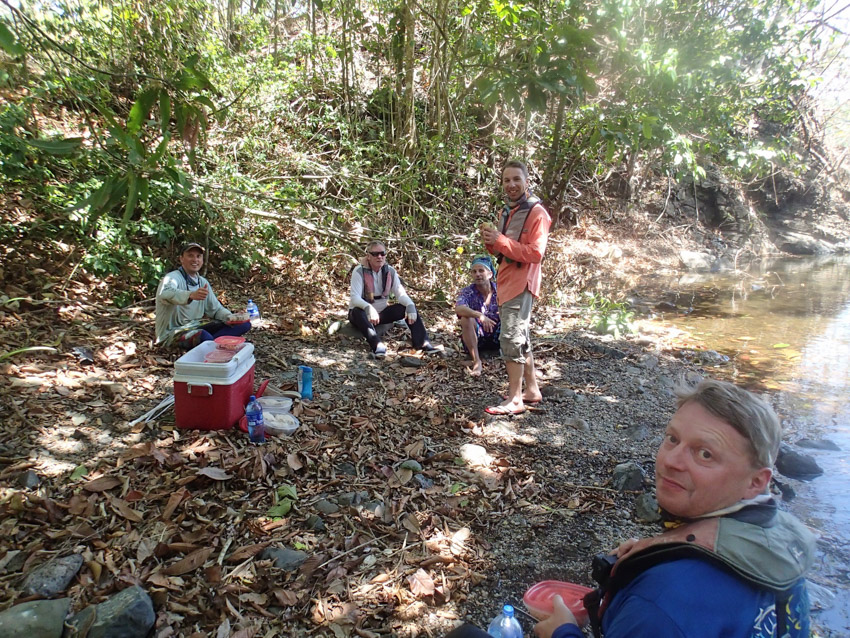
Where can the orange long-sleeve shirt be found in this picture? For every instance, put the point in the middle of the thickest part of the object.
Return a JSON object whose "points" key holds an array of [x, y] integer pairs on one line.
{"points": [[527, 255]]}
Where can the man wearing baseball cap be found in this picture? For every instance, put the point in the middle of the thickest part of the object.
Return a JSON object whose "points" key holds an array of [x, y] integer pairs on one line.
{"points": [[187, 310]]}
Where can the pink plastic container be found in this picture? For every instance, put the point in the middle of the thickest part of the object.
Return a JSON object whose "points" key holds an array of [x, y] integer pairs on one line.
{"points": [[538, 598]]}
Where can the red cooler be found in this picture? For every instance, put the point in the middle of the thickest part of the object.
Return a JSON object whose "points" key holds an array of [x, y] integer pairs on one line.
{"points": [[212, 396]]}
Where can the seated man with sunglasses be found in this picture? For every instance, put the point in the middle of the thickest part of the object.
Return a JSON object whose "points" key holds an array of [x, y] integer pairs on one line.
{"points": [[372, 284]]}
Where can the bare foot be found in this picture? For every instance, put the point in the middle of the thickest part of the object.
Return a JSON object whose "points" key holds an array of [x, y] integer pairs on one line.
{"points": [[477, 369]]}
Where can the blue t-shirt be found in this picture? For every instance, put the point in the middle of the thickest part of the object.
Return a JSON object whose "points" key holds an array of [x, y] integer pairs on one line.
{"points": [[695, 598]]}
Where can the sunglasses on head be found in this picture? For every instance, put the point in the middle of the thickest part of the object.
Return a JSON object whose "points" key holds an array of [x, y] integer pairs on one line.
{"points": [[378, 253]]}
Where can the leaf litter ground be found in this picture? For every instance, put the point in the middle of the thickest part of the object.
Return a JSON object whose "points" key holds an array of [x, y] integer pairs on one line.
{"points": [[398, 529]]}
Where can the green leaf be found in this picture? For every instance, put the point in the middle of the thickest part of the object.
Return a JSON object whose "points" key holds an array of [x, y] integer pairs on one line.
{"points": [[281, 509], [9, 43], [60, 148], [144, 104], [203, 99], [287, 491], [779, 346], [79, 472]]}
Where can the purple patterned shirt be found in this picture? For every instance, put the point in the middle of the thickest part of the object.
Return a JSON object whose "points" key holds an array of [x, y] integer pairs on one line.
{"points": [[471, 298]]}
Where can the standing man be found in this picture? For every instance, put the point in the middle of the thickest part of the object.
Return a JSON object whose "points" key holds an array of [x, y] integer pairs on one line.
{"points": [[372, 284], [519, 244], [477, 309], [187, 310]]}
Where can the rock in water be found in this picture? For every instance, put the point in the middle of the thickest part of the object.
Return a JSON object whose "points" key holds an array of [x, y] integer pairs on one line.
{"points": [[35, 619], [798, 466], [53, 576], [127, 614]]}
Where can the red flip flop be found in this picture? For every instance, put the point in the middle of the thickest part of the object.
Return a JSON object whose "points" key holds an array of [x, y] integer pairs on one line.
{"points": [[502, 410], [538, 402]]}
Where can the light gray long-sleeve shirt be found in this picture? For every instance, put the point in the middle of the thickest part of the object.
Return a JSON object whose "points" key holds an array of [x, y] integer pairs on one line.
{"points": [[356, 297], [174, 309]]}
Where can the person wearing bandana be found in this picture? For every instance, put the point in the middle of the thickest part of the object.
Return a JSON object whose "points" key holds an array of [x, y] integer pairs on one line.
{"points": [[477, 310], [519, 243], [187, 310]]}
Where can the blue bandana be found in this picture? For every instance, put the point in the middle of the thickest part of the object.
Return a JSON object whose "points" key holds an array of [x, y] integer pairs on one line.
{"points": [[486, 261]]}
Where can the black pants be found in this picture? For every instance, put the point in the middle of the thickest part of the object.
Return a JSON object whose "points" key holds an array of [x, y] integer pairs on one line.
{"points": [[360, 320], [467, 631]]}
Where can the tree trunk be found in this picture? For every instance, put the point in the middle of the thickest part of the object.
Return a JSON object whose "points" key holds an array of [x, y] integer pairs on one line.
{"points": [[408, 112]]}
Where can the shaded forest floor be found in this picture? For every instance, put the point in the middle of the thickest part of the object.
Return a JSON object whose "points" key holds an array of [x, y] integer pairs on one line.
{"points": [[396, 526]]}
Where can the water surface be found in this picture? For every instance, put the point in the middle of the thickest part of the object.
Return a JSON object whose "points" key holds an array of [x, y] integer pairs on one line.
{"points": [[786, 329]]}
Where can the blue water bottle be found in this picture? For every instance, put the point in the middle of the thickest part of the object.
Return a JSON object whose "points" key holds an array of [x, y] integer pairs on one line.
{"points": [[505, 625], [256, 426], [252, 310], [305, 382]]}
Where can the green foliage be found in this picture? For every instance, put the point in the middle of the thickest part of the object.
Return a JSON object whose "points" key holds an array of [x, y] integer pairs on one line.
{"points": [[607, 316]]}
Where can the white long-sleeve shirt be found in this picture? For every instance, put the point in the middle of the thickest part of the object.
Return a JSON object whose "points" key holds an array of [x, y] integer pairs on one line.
{"points": [[397, 290]]}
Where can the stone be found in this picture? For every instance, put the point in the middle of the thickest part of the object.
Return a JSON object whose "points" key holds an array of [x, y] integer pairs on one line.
{"points": [[315, 523], [412, 362], [13, 561], [346, 468], [35, 619], [326, 507], [53, 576], [352, 498], [696, 261], [28, 479], [820, 444], [424, 482], [637, 432], [284, 558], [114, 390], [127, 614], [475, 455], [577, 424], [553, 392], [646, 508], [627, 477], [796, 465]]}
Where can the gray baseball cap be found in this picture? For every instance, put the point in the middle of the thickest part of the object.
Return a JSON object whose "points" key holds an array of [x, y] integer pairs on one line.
{"points": [[192, 244]]}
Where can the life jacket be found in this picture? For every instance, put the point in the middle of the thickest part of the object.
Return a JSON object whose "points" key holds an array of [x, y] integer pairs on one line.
{"points": [[512, 225], [369, 283], [760, 544]]}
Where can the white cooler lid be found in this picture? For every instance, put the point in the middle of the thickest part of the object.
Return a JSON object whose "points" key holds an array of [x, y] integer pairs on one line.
{"points": [[191, 366]]}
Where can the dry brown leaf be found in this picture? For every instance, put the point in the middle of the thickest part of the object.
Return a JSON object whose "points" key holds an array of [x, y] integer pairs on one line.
{"points": [[173, 501], [411, 524], [190, 562], [102, 484], [215, 473], [126, 511], [458, 540], [285, 597], [293, 461], [421, 584], [246, 551]]}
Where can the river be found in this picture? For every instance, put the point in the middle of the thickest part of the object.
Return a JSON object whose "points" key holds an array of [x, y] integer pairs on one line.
{"points": [[785, 329]]}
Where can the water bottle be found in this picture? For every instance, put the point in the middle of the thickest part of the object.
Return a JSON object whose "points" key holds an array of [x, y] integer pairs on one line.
{"points": [[252, 310], [505, 625], [305, 382], [256, 427]]}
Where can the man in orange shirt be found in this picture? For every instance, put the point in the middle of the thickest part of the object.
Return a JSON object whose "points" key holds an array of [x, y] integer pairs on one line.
{"points": [[519, 244]]}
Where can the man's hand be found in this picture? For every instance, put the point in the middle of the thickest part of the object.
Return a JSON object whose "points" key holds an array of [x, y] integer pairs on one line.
{"points": [[489, 235], [488, 324], [625, 547], [411, 314], [561, 615], [200, 294], [374, 317]]}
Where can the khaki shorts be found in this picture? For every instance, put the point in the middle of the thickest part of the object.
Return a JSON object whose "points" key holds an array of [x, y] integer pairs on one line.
{"points": [[515, 338]]}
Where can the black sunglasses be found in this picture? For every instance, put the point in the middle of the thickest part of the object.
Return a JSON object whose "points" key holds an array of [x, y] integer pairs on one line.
{"points": [[378, 253]]}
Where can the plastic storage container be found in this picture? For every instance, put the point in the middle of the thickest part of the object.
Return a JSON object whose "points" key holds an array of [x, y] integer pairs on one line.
{"points": [[212, 396], [538, 598], [505, 625]]}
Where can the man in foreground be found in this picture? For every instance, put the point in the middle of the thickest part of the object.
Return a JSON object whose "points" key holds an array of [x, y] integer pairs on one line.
{"points": [[477, 309], [733, 563], [519, 245], [187, 310], [372, 284]]}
